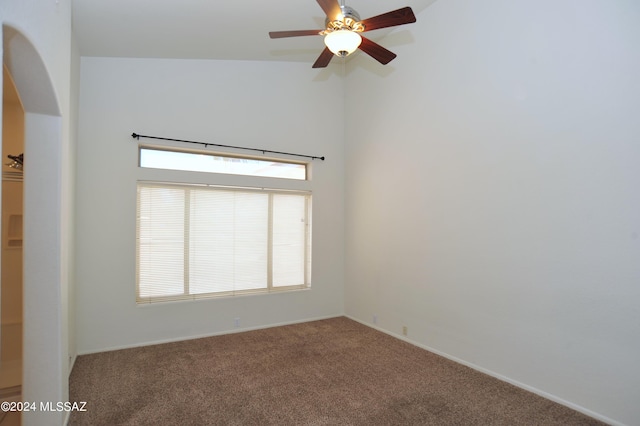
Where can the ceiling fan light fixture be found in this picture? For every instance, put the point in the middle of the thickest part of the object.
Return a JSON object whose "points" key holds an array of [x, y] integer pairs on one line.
{"points": [[342, 32], [342, 42]]}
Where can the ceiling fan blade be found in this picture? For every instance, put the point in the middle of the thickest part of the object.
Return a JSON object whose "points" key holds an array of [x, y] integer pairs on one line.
{"points": [[390, 19], [294, 33], [331, 8], [324, 59], [376, 51]]}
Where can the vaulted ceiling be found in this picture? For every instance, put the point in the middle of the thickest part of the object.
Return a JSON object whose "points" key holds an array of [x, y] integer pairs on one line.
{"points": [[209, 29]]}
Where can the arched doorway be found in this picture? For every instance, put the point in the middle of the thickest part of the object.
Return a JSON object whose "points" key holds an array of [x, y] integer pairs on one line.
{"points": [[45, 309], [11, 245]]}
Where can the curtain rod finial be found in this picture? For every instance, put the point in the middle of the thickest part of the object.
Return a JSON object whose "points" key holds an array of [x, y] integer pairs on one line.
{"points": [[135, 135]]}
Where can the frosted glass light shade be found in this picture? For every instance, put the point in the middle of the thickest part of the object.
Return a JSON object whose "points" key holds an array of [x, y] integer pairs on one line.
{"points": [[342, 42]]}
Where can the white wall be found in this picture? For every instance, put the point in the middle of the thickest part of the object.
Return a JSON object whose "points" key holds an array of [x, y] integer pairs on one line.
{"points": [[276, 106], [69, 176], [492, 193]]}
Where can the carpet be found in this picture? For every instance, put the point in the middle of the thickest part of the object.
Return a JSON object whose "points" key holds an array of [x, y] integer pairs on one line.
{"points": [[329, 372]]}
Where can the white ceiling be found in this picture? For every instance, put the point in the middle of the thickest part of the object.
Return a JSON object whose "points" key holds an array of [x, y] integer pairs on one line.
{"points": [[213, 29]]}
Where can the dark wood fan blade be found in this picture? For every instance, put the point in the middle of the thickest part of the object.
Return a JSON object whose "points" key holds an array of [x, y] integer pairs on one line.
{"points": [[294, 33], [376, 51], [390, 19], [324, 59], [331, 8]]}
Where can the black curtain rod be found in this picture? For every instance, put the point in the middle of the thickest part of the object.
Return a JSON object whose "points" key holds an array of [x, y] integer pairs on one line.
{"points": [[206, 144]]}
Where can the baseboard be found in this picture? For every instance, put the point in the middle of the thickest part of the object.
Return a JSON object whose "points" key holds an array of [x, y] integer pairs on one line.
{"points": [[498, 376], [200, 336]]}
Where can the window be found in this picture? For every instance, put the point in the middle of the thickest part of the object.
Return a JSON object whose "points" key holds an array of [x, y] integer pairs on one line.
{"points": [[216, 163], [196, 241]]}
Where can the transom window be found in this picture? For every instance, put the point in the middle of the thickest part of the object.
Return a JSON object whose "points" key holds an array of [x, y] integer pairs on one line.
{"points": [[217, 163]]}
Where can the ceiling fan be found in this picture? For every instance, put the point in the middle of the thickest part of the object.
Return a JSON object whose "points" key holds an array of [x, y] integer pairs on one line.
{"points": [[342, 33]]}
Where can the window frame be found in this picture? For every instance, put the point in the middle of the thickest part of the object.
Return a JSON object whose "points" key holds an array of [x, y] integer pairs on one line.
{"points": [[163, 148], [173, 177]]}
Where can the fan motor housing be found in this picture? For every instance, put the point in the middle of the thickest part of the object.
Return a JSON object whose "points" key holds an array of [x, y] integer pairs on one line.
{"points": [[350, 20]]}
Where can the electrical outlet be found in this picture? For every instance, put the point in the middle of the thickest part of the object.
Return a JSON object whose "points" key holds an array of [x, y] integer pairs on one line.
{"points": [[236, 322], [375, 319], [404, 330]]}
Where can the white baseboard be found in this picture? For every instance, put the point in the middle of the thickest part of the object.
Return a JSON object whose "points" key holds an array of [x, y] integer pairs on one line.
{"points": [[200, 336]]}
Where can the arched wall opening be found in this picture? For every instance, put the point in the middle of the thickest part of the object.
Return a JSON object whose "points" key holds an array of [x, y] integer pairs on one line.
{"points": [[11, 246], [45, 348]]}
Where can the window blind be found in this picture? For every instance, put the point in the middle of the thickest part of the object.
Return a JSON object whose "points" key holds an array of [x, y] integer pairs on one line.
{"points": [[200, 241]]}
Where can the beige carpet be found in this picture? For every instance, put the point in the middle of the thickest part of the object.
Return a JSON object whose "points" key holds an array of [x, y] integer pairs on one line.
{"points": [[329, 372]]}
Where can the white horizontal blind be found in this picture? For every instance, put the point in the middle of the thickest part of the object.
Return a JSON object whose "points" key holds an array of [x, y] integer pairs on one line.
{"points": [[228, 241], [160, 241], [197, 241], [289, 239]]}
